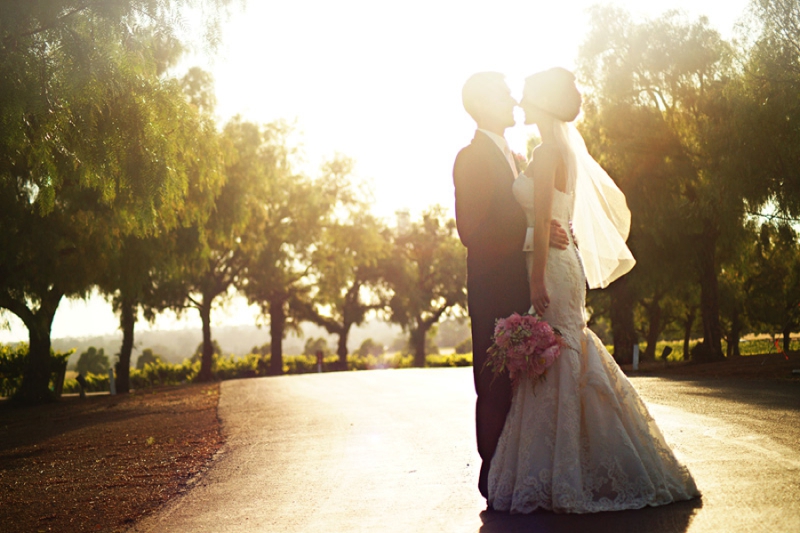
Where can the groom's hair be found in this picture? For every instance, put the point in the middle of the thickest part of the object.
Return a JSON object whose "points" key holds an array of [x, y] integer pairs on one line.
{"points": [[477, 89]]}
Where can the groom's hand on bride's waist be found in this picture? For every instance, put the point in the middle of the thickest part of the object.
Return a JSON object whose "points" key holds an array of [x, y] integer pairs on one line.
{"points": [[558, 236]]}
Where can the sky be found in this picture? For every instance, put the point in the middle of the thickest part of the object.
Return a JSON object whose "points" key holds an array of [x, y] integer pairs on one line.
{"points": [[379, 82]]}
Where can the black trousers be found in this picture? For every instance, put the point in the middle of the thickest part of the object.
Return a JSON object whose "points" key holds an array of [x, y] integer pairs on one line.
{"points": [[494, 397]]}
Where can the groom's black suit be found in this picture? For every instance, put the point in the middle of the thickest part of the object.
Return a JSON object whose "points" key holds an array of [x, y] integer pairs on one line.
{"points": [[492, 226]]}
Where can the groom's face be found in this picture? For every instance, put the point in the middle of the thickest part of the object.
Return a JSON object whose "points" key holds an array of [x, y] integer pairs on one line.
{"points": [[500, 105]]}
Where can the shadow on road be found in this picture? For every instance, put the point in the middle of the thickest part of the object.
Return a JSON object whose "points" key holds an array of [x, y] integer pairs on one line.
{"points": [[673, 518]]}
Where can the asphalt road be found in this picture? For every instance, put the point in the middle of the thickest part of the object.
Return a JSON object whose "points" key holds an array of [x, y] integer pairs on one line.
{"points": [[393, 450]]}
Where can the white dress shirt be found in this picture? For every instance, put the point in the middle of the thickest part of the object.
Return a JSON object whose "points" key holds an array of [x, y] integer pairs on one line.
{"points": [[502, 144]]}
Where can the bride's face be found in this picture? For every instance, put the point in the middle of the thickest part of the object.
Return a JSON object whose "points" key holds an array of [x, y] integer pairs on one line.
{"points": [[532, 113]]}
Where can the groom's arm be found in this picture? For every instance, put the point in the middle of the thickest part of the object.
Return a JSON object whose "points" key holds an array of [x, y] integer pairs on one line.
{"points": [[473, 195]]}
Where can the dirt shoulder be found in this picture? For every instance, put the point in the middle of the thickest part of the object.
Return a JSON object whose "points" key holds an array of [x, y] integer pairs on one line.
{"points": [[100, 463]]}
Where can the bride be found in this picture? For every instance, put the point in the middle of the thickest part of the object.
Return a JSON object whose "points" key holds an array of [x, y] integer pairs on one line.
{"points": [[582, 440]]}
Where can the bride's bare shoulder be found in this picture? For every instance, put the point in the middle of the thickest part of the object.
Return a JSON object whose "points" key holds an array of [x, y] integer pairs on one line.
{"points": [[545, 156], [546, 150]]}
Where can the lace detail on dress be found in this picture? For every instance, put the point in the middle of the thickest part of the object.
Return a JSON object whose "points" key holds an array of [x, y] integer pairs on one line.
{"points": [[584, 441]]}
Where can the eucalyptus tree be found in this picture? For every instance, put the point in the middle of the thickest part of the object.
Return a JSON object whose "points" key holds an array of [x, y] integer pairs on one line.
{"points": [[659, 89], [427, 275], [87, 150]]}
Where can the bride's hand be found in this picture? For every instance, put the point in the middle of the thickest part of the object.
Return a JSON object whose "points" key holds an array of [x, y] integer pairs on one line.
{"points": [[539, 298]]}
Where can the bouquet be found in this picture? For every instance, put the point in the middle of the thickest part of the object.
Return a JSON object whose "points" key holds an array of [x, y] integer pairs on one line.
{"points": [[524, 345]]}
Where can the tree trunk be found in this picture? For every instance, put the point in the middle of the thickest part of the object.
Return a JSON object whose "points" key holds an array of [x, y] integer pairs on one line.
{"points": [[127, 323], [687, 332], [734, 334], [341, 350], [35, 386], [622, 326], [787, 337], [277, 323], [653, 329], [709, 301], [207, 360], [418, 345]]}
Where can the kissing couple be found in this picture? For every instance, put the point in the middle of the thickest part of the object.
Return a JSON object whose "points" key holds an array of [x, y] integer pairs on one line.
{"points": [[537, 235]]}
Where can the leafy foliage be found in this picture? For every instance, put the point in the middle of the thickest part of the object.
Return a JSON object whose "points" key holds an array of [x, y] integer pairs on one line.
{"points": [[348, 264], [313, 346], [95, 145], [13, 360], [428, 277], [661, 96], [370, 347], [93, 361], [285, 235], [147, 358]]}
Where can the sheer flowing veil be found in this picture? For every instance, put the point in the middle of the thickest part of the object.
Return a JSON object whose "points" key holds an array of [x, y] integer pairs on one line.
{"points": [[601, 220]]}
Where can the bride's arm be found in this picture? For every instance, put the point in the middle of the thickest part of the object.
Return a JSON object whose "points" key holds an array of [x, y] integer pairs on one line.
{"points": [[543, 171]]}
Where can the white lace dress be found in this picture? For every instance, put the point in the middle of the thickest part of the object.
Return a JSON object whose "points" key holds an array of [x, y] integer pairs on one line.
{"points": [[582, 441]]}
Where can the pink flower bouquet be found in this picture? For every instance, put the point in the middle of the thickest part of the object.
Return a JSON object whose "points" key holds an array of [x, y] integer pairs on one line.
{"points": [[524, 345]]}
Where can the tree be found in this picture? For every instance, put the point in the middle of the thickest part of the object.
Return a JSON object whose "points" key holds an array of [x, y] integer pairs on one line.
{"points": [[659, 99], [85, 155], [621, 307], [765, 137], [129, 278], [370, 347], [464, 346], [452, 332], [147, 358], [773, 287], [283, 239], [213, 252], [348, 267], [201, 349], [313, 346], [93, 361], [427, 276]]}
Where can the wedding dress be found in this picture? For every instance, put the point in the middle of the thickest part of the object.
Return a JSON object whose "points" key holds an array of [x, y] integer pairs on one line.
{"points": [[581, 440]]}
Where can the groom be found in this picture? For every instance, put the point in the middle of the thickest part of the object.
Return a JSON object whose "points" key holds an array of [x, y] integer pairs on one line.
{"points": [[492, 225]]}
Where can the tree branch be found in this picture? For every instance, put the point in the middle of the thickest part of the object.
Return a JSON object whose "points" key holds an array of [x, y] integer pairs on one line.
{"points": [[773, 216], [47, 27], [18, 308]]}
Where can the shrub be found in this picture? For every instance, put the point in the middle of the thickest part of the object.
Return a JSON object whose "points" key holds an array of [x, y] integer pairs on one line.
{"points": [[147, 357], [93, 361], [198, 352], [449, 360], [12, 367], [313, 345], [370, 347], [464, 346]]}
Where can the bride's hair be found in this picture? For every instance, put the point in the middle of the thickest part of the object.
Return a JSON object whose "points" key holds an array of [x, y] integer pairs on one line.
{"points": [[554, 92]]}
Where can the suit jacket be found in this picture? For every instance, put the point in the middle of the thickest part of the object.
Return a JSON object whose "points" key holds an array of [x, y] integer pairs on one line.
{"points": [[492, 226]]}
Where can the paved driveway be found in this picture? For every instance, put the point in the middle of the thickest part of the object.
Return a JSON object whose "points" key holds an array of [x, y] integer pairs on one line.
{"points": [[393, 450]]}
